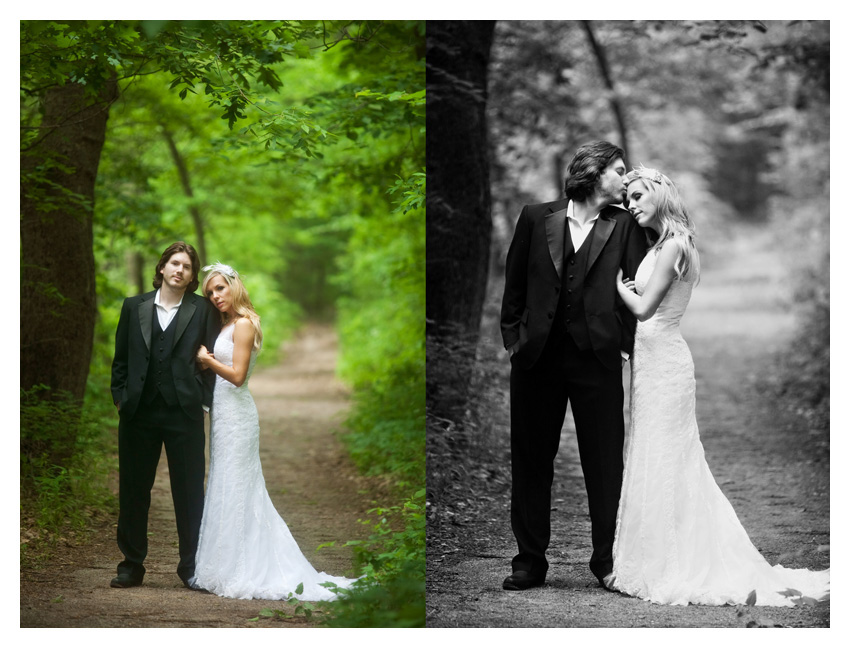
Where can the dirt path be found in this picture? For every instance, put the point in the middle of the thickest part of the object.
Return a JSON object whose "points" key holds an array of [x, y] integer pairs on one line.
{"points": [[774, 470], [309, 478]]}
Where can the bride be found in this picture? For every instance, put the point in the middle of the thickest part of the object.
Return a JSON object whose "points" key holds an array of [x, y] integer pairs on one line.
{"points": [[245, 549], [678, 540]]}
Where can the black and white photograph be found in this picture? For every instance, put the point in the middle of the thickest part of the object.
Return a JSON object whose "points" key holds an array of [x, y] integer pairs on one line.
{"points": [[628, 349]]}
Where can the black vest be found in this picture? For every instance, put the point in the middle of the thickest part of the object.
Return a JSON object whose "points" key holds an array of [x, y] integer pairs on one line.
{"points": [[570, 312], [159, 378]]}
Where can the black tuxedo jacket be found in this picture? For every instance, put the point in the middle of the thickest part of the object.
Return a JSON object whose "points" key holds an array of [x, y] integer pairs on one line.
{"points": [[533, 281], [197, 323]]}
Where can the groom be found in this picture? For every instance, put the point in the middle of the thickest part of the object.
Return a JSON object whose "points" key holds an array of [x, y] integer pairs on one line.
{"points": [[161, 394], [568, 335]]}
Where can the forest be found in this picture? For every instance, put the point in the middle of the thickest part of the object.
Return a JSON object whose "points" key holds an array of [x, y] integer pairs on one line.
{"points": [[737, 114], [293, 151]]}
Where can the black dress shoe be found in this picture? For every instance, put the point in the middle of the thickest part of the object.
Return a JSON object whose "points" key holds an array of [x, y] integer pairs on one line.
{"points": [[522, 580], [126, 580]]}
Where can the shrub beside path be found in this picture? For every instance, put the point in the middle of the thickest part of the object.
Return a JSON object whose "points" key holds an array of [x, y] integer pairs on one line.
{"points": [[771, 465], [309, 477]]}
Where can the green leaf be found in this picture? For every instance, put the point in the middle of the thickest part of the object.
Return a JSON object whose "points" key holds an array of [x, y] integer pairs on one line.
{"points": [[302, 49], [751, 599]]}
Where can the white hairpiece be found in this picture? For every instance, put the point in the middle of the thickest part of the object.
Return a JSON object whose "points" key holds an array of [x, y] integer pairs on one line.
{"points": [[646, 173], [221, 268]]}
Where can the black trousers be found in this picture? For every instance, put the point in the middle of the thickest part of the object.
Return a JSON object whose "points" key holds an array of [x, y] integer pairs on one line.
{"points": [[140, 442], [539, 400]]}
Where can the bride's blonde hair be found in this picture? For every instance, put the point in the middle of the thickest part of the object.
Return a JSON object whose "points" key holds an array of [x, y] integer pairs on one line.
{"points": [[673, 215], [238, 293]]}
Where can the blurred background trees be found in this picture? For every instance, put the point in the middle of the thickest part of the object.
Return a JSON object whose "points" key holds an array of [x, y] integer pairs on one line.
{"points": [[292, 150]]}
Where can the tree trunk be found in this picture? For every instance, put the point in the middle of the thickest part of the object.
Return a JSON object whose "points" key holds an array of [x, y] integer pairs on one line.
{"points": [[136, 271], [186, 183], [58, 302], [613, 98], [458, 203]]}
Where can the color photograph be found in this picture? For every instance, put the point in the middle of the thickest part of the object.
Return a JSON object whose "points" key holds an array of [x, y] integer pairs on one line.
{"points": [[222, 362]]}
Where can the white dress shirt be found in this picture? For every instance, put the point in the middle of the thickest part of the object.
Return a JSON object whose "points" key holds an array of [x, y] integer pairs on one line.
{"points": [[578, 230], [164, 314]]}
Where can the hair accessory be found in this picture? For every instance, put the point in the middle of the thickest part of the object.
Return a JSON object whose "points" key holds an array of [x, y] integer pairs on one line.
{"points": [[648, 174], [220, 267]]}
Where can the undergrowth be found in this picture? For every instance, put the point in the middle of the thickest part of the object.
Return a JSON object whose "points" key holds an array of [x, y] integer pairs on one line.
{"points": [[391, 592], [66, 456], [805, 363]]}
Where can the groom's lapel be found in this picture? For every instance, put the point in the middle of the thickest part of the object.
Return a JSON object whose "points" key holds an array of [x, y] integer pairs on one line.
{"points": [[146, 309], [601, 234], [184, 315], [555, 224]]}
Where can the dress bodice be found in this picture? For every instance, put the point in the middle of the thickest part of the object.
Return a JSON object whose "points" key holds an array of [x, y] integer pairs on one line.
{"points": [[224, 353], [675, 302]]}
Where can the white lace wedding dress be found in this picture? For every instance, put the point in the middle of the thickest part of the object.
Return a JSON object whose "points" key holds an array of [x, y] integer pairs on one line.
{"points": [[245, 549], [678, 540]]}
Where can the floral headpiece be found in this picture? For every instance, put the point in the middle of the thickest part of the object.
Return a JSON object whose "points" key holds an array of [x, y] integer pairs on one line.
{"points": [[221, 268], [647, 174]]}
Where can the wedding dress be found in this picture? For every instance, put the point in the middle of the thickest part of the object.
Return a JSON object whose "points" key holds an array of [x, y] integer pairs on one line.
{"points": [[678, 540], [245, 549]]}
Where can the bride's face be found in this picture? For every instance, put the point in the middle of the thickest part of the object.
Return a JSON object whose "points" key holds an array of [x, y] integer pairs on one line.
{"points": [[641, 205], [218, 292]]}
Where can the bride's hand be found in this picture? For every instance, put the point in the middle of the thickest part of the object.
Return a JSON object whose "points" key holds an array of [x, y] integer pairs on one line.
{"points": [[628, 284], [203, 357]]}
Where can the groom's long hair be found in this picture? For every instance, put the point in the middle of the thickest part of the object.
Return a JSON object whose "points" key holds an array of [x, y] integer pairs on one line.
{"points": [[587, 165]]}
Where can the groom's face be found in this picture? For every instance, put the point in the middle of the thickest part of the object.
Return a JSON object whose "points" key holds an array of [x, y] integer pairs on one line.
{"points": [[612, 184], [177, 272]]}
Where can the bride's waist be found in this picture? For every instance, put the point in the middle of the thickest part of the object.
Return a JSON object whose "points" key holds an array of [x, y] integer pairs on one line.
{"points": [[223, 383], [659, 323], [658, 329]]}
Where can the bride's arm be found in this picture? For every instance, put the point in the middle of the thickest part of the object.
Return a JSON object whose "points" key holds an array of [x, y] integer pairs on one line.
{"points": [[644, 306], [243, 342]]}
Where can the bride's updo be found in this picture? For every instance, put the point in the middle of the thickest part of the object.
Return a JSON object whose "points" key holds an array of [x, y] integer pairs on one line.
{"points": [[673, 216], [239, 294]]}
